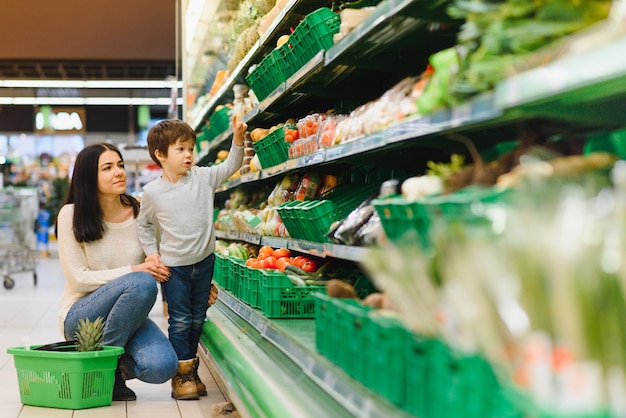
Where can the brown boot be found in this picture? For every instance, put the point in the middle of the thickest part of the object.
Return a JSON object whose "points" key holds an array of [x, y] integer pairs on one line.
{"points": [[183, 384], [201, 386]]}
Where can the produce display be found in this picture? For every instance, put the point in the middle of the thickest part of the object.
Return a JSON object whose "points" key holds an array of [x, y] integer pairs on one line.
{"points": [[529, 294], [257, 214], [278, 282], [499, 38], [498, 272]]}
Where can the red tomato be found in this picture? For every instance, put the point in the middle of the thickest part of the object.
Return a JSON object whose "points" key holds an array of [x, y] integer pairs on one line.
{"points": [[250, 261], [270, 261], [265, 251], [282, 252], [299, 261], [281, 263], [309, 266]]}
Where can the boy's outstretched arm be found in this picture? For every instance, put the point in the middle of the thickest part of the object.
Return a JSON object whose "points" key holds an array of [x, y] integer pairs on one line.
{"points": [[239, 131]]}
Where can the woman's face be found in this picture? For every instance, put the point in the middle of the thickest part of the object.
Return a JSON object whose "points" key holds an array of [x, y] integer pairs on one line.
{"points": [[111, 173]]}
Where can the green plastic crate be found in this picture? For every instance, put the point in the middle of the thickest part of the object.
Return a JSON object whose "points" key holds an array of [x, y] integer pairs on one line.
{"points": [[220, 121], [282, 63], [254, 288], [272, 149], [326, 336], [358, 318], [417, 362], [404, 222], [311, 220], [236, 275], [281, 299], [386, 337], [221, 270], [250, 286], [474, 210], [274, 69], [313, 34], [66, 380]]}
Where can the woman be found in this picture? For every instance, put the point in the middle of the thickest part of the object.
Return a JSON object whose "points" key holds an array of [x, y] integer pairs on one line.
{"points": [[105, 269]]}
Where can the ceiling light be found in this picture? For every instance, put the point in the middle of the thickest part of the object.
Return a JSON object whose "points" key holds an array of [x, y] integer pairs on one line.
{"points": [[88, 101], [92, 84]]}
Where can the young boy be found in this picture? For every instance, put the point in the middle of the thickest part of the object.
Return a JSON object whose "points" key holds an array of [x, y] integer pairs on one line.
{"points": [[176, 229]]}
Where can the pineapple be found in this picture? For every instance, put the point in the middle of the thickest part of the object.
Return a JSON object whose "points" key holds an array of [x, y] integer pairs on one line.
{"points": [[88, 335]]}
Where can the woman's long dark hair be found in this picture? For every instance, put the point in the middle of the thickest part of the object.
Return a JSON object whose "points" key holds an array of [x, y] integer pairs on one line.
{"points": [[88, 222]]}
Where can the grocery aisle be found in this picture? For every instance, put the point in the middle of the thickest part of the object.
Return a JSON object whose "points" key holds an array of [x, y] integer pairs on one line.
{"points": [[31, 311]]}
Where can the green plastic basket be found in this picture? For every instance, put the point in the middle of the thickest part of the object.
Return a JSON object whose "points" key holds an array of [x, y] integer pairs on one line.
{"points": [[281, 299], [221, 270], [313, 34], [282, 63], [67, 380], [404, 222], [272, 149], [311, 220], [474, 210], [250, 286], [386, 337], [274, 69], [236, 276], [326, 336], [220, 121]]}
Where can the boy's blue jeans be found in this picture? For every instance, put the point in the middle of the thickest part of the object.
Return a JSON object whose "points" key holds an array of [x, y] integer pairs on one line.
{"points": [[125, 304], [187, 295]]}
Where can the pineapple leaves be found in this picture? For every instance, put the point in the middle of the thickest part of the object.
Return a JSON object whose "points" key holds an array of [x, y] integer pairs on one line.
{"points": [[88, 334]]}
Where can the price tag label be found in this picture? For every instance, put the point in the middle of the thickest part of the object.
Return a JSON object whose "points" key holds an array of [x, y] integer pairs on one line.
{"points": [[461, 114], [330, 379], [337, 151]]}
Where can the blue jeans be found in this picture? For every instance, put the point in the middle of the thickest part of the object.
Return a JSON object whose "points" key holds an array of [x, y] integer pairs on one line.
{"points": [[125, 304], [187, 294]]}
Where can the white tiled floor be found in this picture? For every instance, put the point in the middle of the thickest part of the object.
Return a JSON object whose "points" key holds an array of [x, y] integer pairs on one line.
{"points": [[30, 312]]}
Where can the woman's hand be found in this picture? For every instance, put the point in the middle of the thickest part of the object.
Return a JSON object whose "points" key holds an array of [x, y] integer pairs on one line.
{"points": [[161, 273]]}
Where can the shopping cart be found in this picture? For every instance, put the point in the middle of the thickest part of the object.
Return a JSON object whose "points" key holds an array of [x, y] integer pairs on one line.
{"points": [[18, 209]]}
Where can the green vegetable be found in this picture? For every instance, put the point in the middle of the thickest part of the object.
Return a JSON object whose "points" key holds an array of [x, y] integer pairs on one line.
{"points": [[296, 280], [316, 282]]}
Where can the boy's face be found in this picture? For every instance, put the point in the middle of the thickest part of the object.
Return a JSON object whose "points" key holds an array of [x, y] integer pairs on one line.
{"points": [[179, 157]]}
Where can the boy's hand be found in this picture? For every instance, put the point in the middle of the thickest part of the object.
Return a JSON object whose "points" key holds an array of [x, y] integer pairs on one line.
{"points": [[239, 131]]}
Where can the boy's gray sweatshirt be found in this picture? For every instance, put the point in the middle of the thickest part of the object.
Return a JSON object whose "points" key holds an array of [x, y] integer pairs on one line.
{"points": [[182, 213]]}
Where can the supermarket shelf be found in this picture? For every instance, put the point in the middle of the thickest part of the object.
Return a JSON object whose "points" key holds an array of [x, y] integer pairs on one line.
{"points": [[531, 94], [475, 113], [288, 17], [238, 236], [548, 91], [375, 50], [344, 252], [578, 73], [276, 359], [214, 144], [260, 380]]}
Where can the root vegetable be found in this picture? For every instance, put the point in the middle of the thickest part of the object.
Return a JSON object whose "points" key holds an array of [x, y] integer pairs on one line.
{"points": [[375, 300], [339, 289]]}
